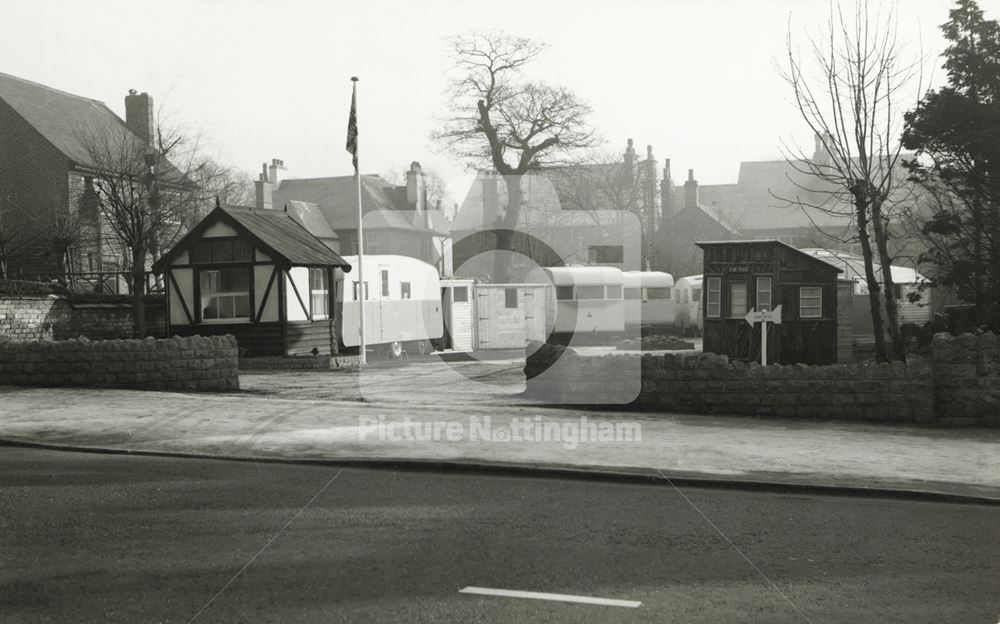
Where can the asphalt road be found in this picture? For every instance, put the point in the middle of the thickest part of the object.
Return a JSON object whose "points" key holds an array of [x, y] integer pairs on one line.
{"points": [[110, 538]]}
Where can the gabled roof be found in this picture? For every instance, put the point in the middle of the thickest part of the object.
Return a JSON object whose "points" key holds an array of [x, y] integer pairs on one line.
{"points": [[309, 216], [810, 257], [384, 204], [65, 120], [279, 234]]}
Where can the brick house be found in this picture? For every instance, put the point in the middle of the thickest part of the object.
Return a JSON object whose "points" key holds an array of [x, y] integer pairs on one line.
{"points": [[47, 175], [397, 219]]}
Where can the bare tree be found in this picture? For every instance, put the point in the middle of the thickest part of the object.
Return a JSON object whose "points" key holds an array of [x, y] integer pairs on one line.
{"points": [[497, 119], [846, 89], [146, 199]]}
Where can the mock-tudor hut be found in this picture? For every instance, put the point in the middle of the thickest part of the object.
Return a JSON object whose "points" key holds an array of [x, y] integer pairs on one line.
{"points": [[762, 274], [256, 274]]}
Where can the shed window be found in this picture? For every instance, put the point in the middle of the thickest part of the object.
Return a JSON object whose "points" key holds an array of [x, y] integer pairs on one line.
{"points": [[225, 294], [590, 292], [319, 293], [658, 293], [810, 302], [404, 290], [614, 292], [737, 299], [461, 294], [564, 293], [763, 294], [510, 298], [714, 307]]}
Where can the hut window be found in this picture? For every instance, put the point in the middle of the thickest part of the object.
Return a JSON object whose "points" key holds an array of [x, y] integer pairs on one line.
{"points": [[763, 294], [633, 293], [319, 293], [810, 302], [614, 292], [658, 293], [461, 294], [714, 308], [510, 298], [737, 299], [564, 293], [220, 251], [404, 290], [225, 294], [590, 292]]}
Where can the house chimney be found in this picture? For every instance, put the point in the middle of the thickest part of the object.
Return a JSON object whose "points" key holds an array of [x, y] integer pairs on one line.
{"points": [[691, 191], [264, 190], [821, 153], [491, 198], [274, 177], [139, 114], [416, 192], [629, 163], [667, 191]]}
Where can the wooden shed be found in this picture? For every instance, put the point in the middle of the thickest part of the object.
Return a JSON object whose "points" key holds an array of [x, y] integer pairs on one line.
{"points": [[762, 274], [458, 307], [256, 274], [508, 316]]}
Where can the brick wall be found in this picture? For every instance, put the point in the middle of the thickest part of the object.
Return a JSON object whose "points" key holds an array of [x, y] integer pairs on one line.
{"points": [[196, 363], [26, 318], [710, 384], [967, 379]]}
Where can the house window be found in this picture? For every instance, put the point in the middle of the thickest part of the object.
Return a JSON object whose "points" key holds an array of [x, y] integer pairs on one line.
{"points": [[564, 293], [225, 294], [810, 302], [714, 307], [385, 282], [662, 292], [356, 291], [614, 292], [510, 298], [461, 294], [605, 254], [319, 293], [374, 242], [404, 290], [737, 299], [590, 292], [763, 294], [220, 251]]}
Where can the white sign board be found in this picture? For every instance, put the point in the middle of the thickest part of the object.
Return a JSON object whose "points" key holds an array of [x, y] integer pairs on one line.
{"points": [[763, 317]]}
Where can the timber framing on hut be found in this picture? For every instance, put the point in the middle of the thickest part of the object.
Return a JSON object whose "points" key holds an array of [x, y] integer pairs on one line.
{"points": [[256, 274], [763, 274]]}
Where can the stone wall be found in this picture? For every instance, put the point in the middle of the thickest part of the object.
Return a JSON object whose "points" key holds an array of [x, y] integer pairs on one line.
{"points": [[27, 318], [710, 384], [197, 363], [967, 379]]}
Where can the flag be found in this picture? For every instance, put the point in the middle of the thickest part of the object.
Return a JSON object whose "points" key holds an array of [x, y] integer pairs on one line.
{"points": [[352, 128]]}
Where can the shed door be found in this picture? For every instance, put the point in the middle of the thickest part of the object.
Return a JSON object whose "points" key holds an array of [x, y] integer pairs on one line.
{"points": [[501, 318]]}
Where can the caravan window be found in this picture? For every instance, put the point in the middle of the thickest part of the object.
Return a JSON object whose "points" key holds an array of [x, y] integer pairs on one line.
{"points": [[564, 293], [385, 283], [404, 290], [614, 292], [356, 291], [590, 292], [633, 293], [658, 293]]}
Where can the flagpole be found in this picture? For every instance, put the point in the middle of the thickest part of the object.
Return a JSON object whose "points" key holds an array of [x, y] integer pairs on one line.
{"points": [[362, 291]]}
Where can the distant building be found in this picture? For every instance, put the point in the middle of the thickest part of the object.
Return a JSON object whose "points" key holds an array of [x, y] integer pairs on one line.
{"points": [[47, 178], [397, 219]]}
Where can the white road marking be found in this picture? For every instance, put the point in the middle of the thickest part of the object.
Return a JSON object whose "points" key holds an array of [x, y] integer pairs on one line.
{"points": [[514, 593]]}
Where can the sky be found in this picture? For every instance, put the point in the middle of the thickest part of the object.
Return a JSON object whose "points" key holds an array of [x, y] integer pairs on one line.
{"points": [[696, 79]]}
